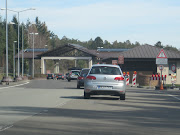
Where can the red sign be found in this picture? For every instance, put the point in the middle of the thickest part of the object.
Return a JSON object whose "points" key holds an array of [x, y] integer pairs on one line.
{"points": [[162, 54], [121, 59], [173, 68], [161, 67], [114, 62]]}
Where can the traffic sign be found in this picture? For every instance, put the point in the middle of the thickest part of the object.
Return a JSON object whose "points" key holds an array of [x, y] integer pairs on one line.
{"points": [[173, 68], [161, 61], [161, 58], [121, 59], [114, 62], [161, 54], [161, 67]]}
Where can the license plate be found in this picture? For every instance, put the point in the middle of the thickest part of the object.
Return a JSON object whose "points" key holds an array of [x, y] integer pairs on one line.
{"points": [[104, 87]]}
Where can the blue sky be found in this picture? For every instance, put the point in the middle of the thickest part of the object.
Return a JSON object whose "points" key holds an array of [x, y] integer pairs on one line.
{"points": [[145, 21]]}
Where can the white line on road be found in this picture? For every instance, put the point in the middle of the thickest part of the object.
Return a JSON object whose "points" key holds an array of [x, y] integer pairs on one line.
{"points": [[174, 96], [5, 128], [14, 86]]}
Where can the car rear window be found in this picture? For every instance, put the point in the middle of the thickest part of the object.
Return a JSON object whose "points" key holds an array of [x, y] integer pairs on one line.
{"points": [[84, 72], [105, 70], [75, 72]]}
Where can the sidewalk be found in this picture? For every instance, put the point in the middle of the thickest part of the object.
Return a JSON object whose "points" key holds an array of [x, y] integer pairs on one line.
{"points": [[2, 84]]}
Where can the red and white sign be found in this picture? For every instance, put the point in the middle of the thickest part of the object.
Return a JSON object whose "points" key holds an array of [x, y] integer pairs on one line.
{"points": [[161, 67], [161, 58], [120, 59], [162, 54], [173, 68], [114, 62]]}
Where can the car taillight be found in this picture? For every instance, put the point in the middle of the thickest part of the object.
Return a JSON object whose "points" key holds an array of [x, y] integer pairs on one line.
{"points": [[80, 78], [91, 77], [119, 78]]}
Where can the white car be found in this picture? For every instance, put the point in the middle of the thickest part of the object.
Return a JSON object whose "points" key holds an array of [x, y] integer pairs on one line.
{"points": [[104, 79], [73, 75]]}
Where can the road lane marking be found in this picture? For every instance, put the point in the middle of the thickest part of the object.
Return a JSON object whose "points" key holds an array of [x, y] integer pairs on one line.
{"points": [[14, 86], [174, 96], [169, 95], [5, 128]]}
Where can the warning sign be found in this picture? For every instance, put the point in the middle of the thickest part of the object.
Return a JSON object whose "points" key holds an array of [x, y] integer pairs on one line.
{"points": [[161, 58], [162, 54]]}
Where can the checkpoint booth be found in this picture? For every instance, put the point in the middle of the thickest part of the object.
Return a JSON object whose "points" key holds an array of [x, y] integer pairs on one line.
{"points": [[143, 60]]}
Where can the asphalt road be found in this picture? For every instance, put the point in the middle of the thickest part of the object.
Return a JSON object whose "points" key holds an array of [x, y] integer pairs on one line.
{"points": [[56, 107]]}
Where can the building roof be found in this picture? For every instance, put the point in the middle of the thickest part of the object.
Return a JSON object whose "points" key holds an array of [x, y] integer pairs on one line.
{"points": [[28, 53], [63, 50], [145, 51]]}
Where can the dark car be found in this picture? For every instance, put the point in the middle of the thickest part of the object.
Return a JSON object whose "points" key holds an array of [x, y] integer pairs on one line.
{"points": [[60, 76], [50, 76], [80, 79], [67, 75]]}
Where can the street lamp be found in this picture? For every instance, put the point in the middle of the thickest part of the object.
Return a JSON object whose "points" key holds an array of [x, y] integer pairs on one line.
{"points": [[33, 52], [14, 66], [18, 31]]}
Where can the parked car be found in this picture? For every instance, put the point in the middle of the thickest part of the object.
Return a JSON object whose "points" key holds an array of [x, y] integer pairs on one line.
{"points": [[73, 75], [104, 79], [51, 76], [60, 76], [80, 79]]}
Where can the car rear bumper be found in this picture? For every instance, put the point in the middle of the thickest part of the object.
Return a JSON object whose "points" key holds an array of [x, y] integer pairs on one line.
{"points": [[106, 89]]}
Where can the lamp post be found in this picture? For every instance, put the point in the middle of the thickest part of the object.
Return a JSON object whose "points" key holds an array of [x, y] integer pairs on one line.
{"points": [[18, 32], [22, 52], [33, 52], [14, 66]]}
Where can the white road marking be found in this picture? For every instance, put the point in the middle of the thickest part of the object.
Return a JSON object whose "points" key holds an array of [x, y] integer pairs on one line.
{"points": [[5, 128], [14, 86], [170, 95], [174, 96]]}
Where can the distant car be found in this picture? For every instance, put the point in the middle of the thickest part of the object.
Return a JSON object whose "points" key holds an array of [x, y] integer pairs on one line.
{"points": [[51, 76], [73, 75], [104, 79], [82, 76], [60, 76]]}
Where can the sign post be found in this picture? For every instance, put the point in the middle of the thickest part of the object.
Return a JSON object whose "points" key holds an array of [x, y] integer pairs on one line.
{"points": [[161, 60]]}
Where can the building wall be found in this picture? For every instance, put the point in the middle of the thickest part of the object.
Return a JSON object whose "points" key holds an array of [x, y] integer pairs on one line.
{"points": [[167, 71]]}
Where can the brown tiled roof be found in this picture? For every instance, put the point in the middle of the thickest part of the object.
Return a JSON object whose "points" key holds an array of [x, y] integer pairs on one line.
{"points": [[66, 48], [28, 55], [145, 51]]}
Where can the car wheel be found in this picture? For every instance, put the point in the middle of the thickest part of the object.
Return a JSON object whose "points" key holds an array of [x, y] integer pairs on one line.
{"points": [[122, 97], [78, 86], [86, 95]]}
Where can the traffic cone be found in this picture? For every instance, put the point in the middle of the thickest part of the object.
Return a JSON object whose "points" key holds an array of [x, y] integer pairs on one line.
{"points": [[161, 86]]}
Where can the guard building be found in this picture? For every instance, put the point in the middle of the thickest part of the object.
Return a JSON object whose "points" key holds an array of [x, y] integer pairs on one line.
{"points": [[141, 59]]}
